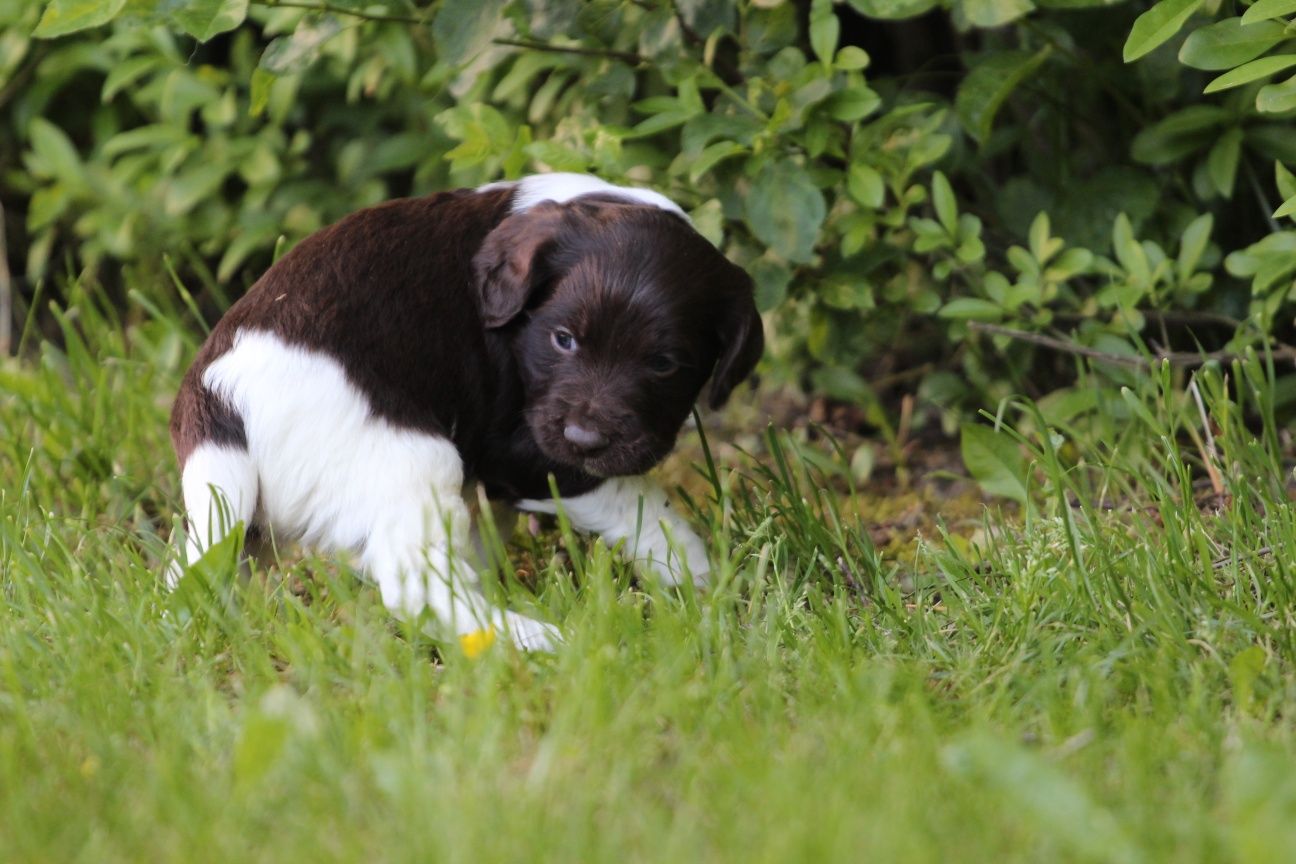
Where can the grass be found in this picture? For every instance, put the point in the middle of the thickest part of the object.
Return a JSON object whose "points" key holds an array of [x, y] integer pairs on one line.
{"points": [[1106, 677]]}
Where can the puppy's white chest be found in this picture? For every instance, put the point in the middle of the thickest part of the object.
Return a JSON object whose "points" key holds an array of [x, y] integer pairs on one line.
{"points": [[331, 472]]}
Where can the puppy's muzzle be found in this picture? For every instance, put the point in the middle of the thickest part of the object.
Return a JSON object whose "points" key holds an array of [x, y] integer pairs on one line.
{"points": [[583, 438]]}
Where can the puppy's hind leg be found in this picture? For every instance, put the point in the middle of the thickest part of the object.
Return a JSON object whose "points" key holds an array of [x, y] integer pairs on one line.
{"points": [[219, 483]]}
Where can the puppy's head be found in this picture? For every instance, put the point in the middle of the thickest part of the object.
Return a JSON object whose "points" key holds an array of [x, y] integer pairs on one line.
{"points": [[618, 313]]}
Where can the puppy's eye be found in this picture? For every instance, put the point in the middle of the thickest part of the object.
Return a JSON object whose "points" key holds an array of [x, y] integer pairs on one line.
{"points": [[662, 364], [563, 340]]}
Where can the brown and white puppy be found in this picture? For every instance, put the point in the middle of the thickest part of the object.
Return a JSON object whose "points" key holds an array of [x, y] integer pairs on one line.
{"points": [[557, 325]]}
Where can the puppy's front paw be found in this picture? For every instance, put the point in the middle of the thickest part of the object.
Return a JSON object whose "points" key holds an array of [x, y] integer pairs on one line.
{"points": [[682, 554], [532, 635], [525, 633]]}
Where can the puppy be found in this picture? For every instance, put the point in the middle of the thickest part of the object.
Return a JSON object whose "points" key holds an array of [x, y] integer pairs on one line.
{"points": [[555, 326]]}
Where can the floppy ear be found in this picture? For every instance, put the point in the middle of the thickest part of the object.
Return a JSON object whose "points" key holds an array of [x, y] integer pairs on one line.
{"points": [[508, 266], [742, 340]]}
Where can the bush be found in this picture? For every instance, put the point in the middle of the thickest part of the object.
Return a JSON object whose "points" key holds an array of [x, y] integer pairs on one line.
{"points": [[913, 185]]}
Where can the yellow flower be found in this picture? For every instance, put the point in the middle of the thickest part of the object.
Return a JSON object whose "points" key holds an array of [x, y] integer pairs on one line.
{"points": [[478, 641]]}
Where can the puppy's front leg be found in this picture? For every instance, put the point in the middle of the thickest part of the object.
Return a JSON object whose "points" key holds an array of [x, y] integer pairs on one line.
{"points": [[415, 557], [637, 511]]}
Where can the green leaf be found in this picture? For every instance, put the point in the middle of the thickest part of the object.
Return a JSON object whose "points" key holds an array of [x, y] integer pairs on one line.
{"points": [[712, 156], [1288, 208], [1156, 25], [994, 13], [1178, 135], [1285, 179], [301, 48], [1043, 245], [1222, 163], [1256, 69], [944, 202], [259, 92], [708, 220], [203, 19], [994, 461], [1275, 248], [67, 16], [705, 17], [852, 59], [852, 103], [660, 123], [1070, 263], [126, 73], [772, 278], [1128, 250], [892, 9], [1192, 244], [865, 185], [972, 309], [1277, 98], [57, 154], [785, 210], [187, 190], [989, 84], [1265, 9], [1229, 43], [824, 30], [155, 136], [464, 27]]}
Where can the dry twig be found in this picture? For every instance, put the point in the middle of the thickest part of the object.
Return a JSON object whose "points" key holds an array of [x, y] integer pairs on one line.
{"points": [[1185, 359]]}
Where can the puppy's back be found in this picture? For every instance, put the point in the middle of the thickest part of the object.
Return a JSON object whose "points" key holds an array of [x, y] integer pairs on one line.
{"points": [[387, 292]]}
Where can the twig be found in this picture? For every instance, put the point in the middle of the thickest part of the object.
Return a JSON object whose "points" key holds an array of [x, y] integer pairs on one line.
{"points": [[624, 56], [1265, 207], [19, 79], [1185, 317], [341, 10], [1187, 359], [6, 293], [1262, 552], [690, 35]]}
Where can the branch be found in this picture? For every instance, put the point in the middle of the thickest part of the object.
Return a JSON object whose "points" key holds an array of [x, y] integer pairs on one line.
{"points": [[1185, 359], [1265, 207], [340, 10], [1176, 317], [624, 56], [690, 35], [19, 79]]}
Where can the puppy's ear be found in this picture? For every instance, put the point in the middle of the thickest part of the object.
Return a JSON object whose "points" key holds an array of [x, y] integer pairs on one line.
{"points": [[742, 340], [509, 265]]}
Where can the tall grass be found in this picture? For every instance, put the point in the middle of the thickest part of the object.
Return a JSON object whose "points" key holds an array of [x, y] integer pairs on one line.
{"points": [[1105, 677]]}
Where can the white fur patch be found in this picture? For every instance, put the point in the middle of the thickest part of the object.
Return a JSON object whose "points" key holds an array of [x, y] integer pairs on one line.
{"points": [[220, 490], [562, 187], [331, 474], [636, 510]]}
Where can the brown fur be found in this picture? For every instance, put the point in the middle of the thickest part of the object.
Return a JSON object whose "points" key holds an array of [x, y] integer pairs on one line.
{"points": [[441, 311]]}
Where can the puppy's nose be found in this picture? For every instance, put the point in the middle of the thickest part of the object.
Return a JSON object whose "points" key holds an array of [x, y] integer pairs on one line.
{"points": [[584, 438]]}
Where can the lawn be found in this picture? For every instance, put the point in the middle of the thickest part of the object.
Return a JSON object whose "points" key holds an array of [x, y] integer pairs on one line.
{"points": [[1102, 675]]}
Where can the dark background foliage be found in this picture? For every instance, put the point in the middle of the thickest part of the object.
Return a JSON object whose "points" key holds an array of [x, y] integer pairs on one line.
{"points": [[940, 199]]}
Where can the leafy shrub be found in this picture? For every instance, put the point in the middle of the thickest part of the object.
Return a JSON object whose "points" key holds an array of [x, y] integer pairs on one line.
{"points": [[908, 181]]}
